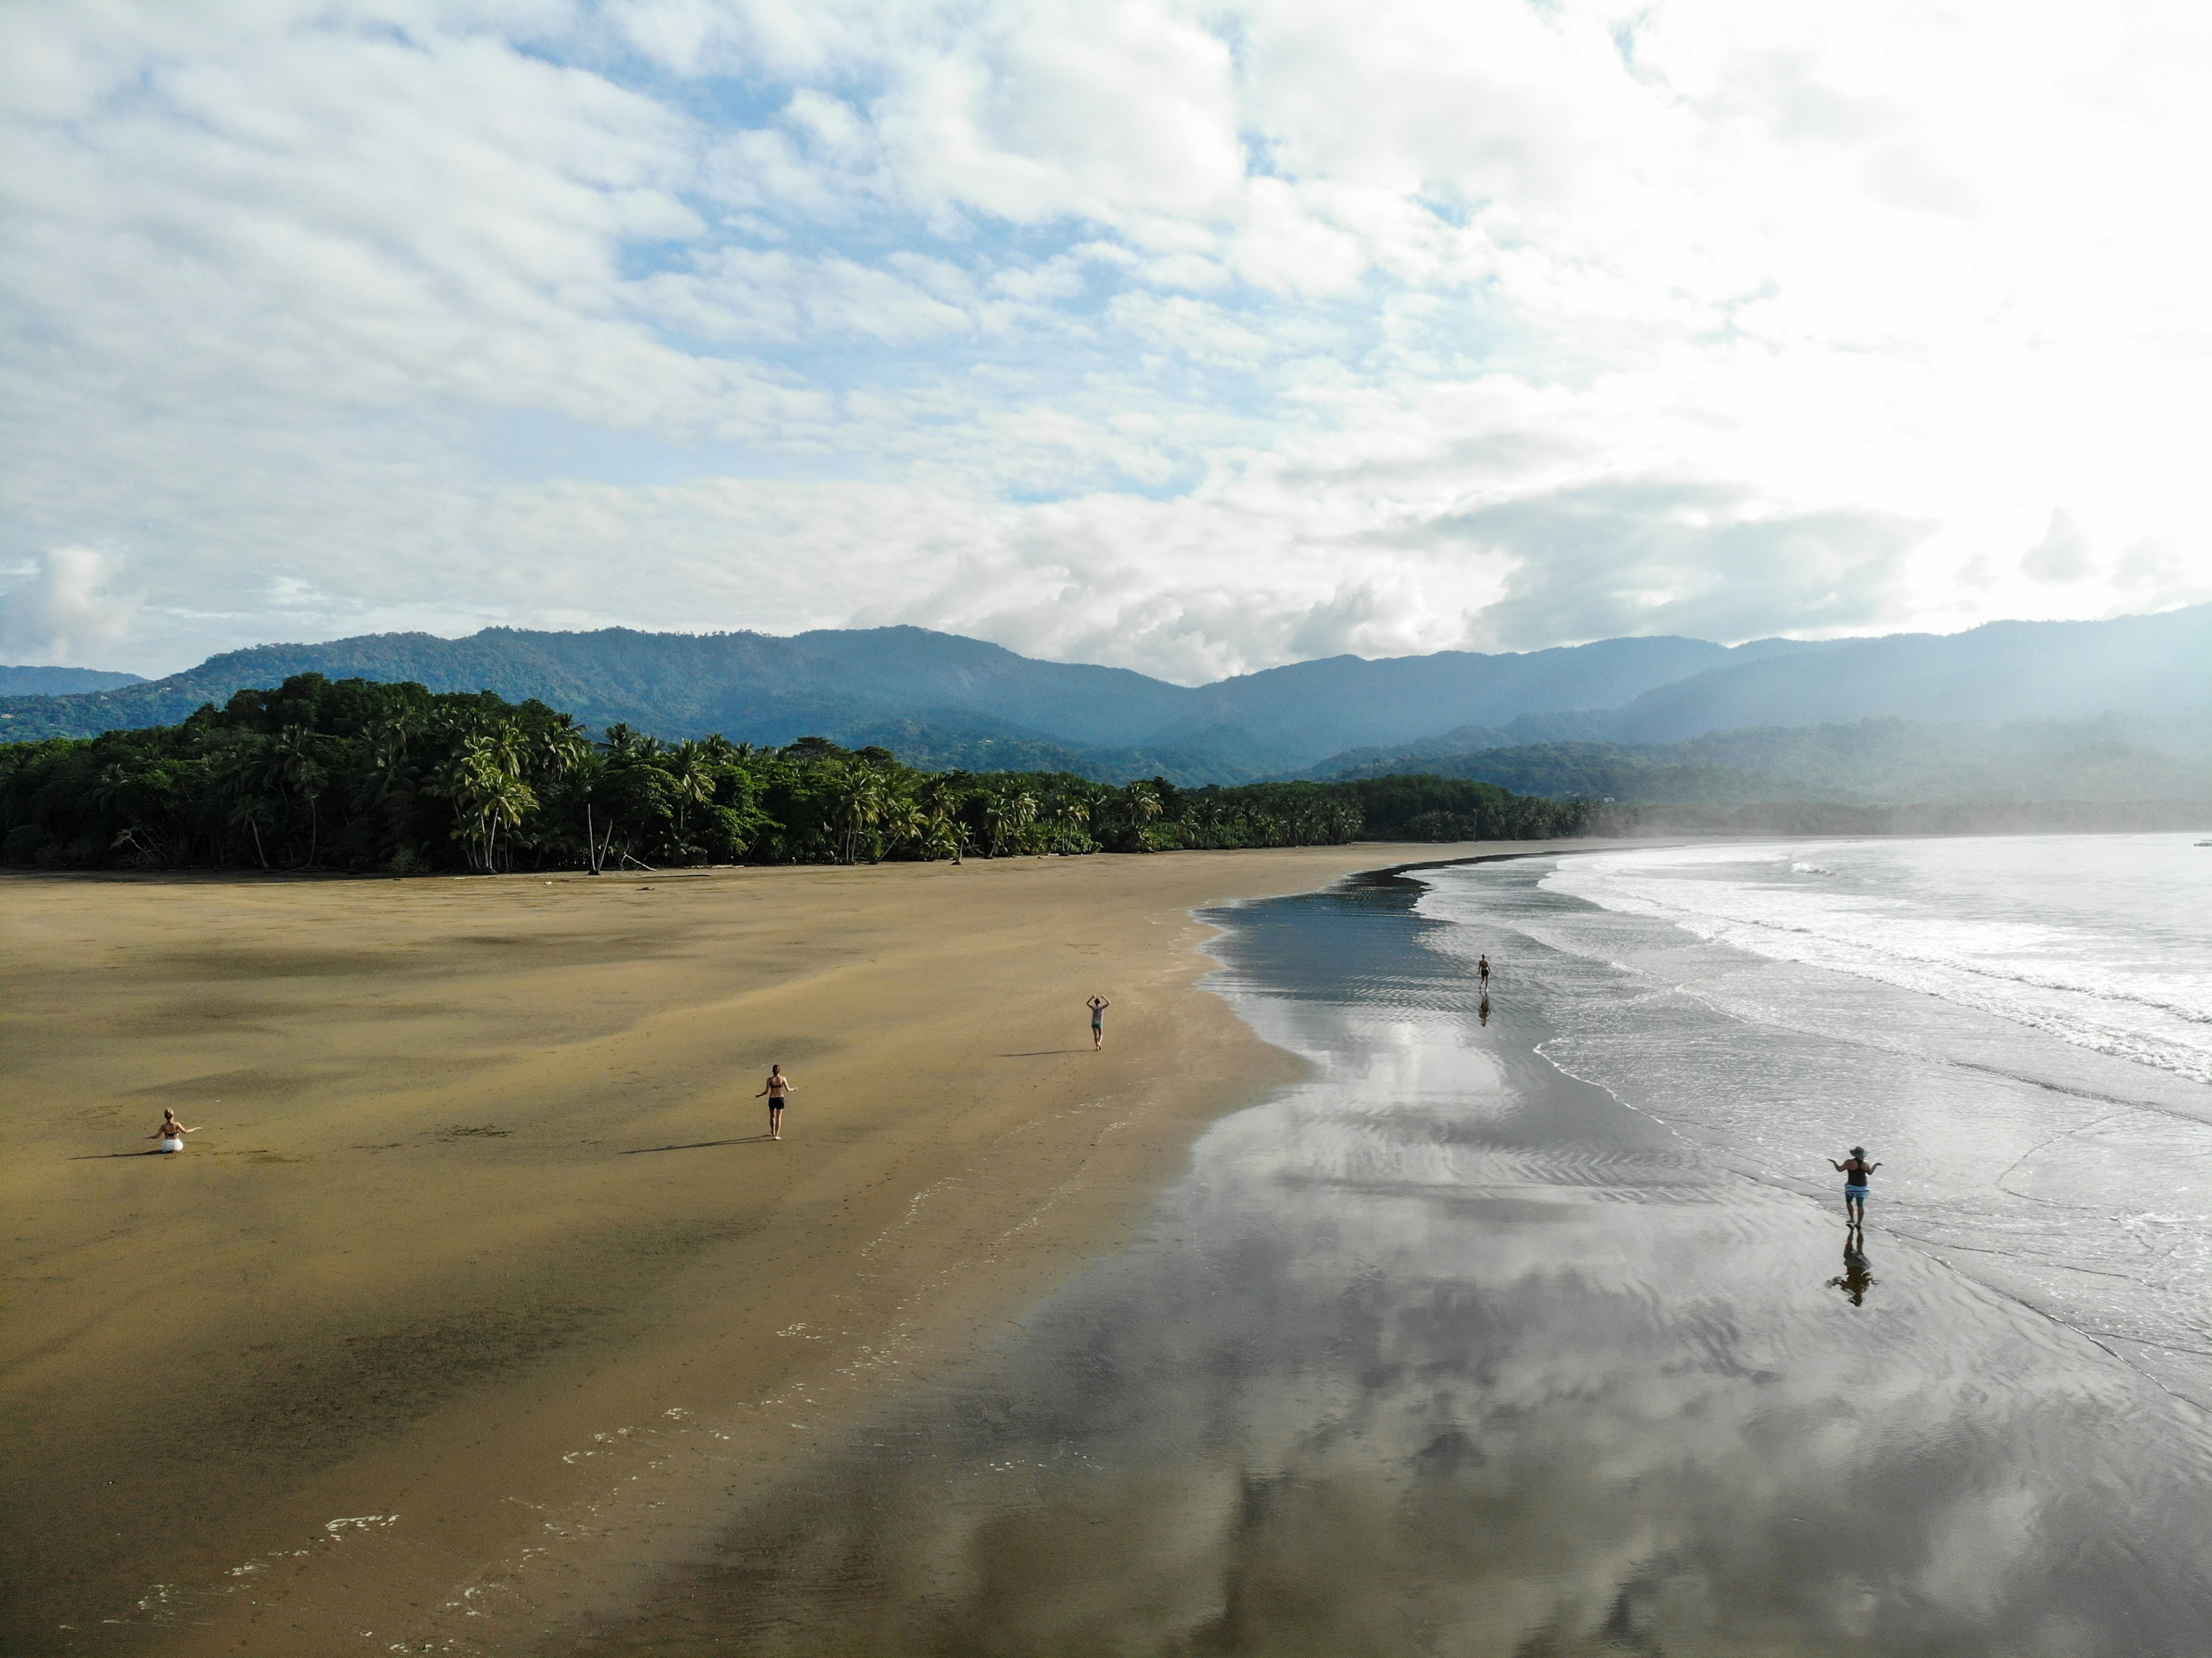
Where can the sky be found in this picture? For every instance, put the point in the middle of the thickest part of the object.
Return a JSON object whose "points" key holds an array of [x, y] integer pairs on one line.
{"points": [[1189, 338]]}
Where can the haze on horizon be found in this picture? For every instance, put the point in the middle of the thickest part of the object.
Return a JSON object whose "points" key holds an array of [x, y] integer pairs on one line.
{"points": [[1189, 338]]}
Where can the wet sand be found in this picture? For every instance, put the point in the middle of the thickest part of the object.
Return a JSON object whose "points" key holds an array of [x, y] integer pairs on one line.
{"points": [[1444, 1351], [481, 1285]]}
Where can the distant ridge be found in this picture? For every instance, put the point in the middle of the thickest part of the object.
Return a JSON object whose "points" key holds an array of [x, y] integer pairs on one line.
{"points": [[1869, 762], [758, 688], [2157, 665], [947, 701], [60, 682]]}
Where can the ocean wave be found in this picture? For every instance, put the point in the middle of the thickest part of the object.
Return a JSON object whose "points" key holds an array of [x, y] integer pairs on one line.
{"points": [[2094, 990]]}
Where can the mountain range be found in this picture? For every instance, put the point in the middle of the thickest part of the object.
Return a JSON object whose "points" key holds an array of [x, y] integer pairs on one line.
{"points": [[60, 682], [1625, 717], [1867, 762]]}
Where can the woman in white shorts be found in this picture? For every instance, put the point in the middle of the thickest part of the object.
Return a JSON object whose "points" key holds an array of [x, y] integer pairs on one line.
{"points": [[171, 1133]]}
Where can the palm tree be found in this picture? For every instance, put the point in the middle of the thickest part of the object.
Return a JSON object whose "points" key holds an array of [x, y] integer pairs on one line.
{"points": [[248, 811], [110, 792], [240, 768], [295, 764], [860, 799], [694, 779], [902, 821], [1009, 817], [385, 750], [943, 834], [587, 779], [484, 780], [1141, 806], [561, 746], [1075, 818], [945, 839]]}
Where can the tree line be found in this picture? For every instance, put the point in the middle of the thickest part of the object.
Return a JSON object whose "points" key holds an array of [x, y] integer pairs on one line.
{"points": [[359, 776]]}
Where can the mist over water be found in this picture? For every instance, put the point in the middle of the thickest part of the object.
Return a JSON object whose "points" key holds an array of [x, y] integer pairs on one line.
{"points": [[1448, 1350]]}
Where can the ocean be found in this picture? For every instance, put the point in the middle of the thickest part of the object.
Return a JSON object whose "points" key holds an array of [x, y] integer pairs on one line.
{"points": [[2019, 1029], [1529, 1324]]}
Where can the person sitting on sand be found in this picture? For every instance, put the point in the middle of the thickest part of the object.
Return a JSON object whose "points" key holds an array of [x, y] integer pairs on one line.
{"points": [[1856, 1171], [171, 1133], [777, 1089], [1097, 1004]]}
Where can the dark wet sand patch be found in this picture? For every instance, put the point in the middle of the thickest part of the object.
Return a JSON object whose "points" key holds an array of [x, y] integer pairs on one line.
{"points": [[1348, 1396], [324, 1309]]}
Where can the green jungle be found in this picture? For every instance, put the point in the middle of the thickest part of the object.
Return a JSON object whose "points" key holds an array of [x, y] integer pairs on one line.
{"points": [[356, 775]]}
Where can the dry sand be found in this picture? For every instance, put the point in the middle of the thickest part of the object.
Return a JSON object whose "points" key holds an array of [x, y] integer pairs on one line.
{"points": [[482, 1231]]}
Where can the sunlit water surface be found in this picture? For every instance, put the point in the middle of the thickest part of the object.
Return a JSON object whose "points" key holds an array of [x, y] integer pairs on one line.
{"points": [[1537, 1332], [2019, 1029]]}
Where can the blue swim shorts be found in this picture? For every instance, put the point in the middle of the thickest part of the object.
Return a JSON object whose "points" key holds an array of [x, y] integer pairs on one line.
{"points": [[1857, 1193]]}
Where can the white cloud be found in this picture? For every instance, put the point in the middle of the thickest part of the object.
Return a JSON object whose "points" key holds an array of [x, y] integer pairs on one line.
{"points": [[1190, 338], [2063, 554], [64, 610]]}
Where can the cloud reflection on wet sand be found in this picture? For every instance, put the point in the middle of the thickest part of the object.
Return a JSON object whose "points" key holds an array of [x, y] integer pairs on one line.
{"points": [[1443, 1351]]}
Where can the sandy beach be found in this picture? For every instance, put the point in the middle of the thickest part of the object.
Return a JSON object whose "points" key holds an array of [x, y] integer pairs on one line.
{"points": [[1447, 1348], [481, 1228]]}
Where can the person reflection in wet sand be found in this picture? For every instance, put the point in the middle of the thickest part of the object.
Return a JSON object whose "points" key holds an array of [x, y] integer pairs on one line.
{"points": [[1484, 1009], [1858, 1278]]}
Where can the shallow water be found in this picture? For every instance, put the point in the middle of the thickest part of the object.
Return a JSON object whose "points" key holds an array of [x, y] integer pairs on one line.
{"points": [[2102, 941], [1447, 1350], [2019, 1028]]}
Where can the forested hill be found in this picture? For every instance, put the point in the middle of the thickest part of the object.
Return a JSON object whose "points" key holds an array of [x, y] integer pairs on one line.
{"points": [[60, 682], [945, 701], [1871, 762], [361, 776], [947, 691], [2135, 666]]}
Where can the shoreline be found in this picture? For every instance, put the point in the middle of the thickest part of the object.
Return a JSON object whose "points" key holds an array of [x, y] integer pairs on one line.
{"points": [[469, 1240], [1447, 1347]]}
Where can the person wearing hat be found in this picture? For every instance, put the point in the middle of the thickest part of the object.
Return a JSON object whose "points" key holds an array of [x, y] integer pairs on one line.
{"points": [[1856, 1171]]}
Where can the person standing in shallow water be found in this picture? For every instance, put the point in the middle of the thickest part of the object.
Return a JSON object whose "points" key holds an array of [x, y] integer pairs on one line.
{"points": [[1856, 1172], [1482, 973], [777, 1089], [1097, 1004]]}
